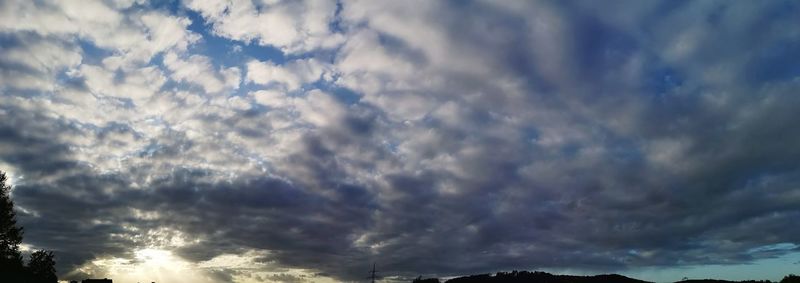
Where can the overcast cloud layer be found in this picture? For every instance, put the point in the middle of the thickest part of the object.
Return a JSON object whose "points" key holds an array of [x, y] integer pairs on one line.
{"points": [[304, 140]]}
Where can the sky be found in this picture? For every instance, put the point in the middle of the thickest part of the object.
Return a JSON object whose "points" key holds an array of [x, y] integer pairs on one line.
{"points": [[303, 141]]}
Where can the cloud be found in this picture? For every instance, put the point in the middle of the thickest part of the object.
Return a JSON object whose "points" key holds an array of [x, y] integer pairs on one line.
{"points": [[291, 75], [138, 85], [294, 27], [198, 70], [533, 135], [29, 60], [136, 37]]}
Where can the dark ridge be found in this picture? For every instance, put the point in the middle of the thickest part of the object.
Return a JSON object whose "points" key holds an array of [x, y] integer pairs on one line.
{"points": [[534, 277], [544, 277], [722, 281]]}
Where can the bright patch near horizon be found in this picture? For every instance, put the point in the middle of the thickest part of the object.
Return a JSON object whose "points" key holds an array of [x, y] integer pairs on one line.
{"points": [[148, 265]]}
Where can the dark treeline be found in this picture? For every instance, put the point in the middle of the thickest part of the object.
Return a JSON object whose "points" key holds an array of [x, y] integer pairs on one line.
{"points": [[544, 277], [40, 267]]}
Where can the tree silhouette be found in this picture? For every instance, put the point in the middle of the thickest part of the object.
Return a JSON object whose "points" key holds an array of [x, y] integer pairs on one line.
{"points": [[10, 234], [42, 267], [791, 278]]}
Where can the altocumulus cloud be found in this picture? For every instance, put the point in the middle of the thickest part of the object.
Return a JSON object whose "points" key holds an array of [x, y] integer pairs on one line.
{"points": [[302, 140]]}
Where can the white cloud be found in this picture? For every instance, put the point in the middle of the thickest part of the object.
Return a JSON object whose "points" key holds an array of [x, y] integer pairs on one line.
{"points": [[36, 61], [363, 54], [135, 37], [316, 107], [271, 98], [292, 26], [319, 108], [292, 75], [198, 70], [138, 85], [42, 55]]}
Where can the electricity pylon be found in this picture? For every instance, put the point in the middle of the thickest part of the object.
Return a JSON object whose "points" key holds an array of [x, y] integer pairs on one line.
{"points": [[373, 276]]}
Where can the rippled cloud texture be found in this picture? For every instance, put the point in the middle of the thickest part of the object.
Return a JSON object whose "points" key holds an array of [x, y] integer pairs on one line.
{"points": [[303, 140]]}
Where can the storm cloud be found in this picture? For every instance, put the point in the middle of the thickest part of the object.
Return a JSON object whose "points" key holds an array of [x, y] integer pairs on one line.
{"points": [[301, 141]]}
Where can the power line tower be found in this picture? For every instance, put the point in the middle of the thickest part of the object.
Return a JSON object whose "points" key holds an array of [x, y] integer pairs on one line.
{"points": [[373, 275]]}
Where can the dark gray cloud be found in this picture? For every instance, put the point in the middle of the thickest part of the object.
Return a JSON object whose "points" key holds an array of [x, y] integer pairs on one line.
{"points": [[436, 138]]}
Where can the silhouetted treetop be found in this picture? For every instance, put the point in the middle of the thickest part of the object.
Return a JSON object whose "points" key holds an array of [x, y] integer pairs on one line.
{"points": [[791, 278], [10, 234], [42, 267]]}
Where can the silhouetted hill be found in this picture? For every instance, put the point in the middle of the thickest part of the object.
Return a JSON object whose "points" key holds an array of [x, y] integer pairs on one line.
{"points": [[536, 277], [544, 277]]}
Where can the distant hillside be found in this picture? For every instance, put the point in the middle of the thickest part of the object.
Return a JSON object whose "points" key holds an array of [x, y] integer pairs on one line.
{"points": [[544, 277], [791, 278], [535, 277], [722, 281]]}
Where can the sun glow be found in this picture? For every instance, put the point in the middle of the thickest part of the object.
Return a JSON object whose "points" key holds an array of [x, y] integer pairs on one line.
{"points": [[147, 265], [161, 265], [156, 258]]}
